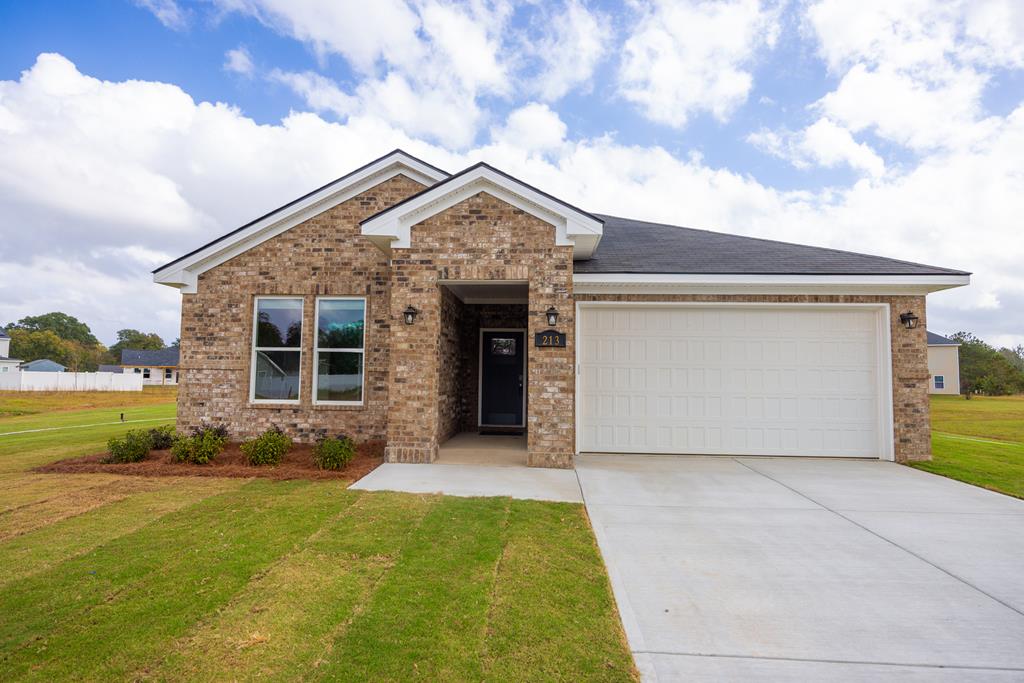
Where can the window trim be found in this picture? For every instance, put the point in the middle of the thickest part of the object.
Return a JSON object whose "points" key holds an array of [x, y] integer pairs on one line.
{"points": [[360, 351], [253, 349], [939, 381]]}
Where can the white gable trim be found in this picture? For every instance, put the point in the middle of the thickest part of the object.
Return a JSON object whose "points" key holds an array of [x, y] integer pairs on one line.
{"points": [[391, 228], [669, 283], [184, 273]]}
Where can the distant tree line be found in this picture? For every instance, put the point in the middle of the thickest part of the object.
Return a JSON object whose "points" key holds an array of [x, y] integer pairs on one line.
{"points": [[67, 340], [987, 370]]}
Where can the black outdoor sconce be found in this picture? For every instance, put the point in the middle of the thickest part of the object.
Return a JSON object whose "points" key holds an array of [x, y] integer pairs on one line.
{"points": [[552, 314], [410, 315], [909, 320]]}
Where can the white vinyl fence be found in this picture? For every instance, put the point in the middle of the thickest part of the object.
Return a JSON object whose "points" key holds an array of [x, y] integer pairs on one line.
{"points": [[69, 381]]}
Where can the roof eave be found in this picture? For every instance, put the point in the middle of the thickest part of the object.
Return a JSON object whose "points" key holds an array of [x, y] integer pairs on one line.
{"points": [[703, 283]]}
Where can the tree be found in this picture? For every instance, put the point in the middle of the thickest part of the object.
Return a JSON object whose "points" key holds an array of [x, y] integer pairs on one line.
{"points": [[1014, 355], [987, 371], [29, 345], [133, 339], [61, 324]]}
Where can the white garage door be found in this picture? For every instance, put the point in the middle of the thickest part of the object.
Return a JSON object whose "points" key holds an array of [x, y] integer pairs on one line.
{"points": [[731, 380]]}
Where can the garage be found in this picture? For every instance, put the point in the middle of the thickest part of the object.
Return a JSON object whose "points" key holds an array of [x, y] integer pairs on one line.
{"points": [[736, 379]]}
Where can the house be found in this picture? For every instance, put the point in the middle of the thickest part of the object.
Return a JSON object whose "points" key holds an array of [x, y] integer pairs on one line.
{"points": [[404, 303], [159, 366], [43, 365], [7, 364], [943, 365], [115, 369]]}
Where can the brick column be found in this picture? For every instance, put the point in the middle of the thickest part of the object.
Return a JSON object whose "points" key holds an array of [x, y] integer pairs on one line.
{"points": [[412, 434], [910, 401]]}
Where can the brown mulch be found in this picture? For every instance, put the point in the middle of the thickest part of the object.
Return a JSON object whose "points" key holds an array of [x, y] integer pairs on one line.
{"points": [[297, 464]]}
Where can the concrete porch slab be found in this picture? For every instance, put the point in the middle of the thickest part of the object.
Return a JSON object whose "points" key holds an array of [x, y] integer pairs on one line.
{"points": [[527, 483]]}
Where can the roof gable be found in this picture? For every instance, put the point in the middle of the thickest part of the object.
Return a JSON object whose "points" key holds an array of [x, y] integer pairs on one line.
{"points": [[184, 272], [574, 227]]}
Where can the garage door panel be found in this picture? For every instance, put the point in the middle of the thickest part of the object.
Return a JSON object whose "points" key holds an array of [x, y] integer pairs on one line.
{"points": [[739, 381]]}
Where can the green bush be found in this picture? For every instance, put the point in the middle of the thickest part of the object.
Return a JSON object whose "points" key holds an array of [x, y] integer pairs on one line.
{"points": [[268, 448], [201, 446], [334, 453], [132, 447], [161, 438]]}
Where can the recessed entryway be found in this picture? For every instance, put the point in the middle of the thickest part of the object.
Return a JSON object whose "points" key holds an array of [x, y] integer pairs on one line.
{"points": [[471, 448]]}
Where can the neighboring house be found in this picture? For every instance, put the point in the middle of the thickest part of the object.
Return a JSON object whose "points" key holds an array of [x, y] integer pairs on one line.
{"points": [[158, 366], [943, 365], [403, 303], [42, 365], [7, 364], [116, 369]]}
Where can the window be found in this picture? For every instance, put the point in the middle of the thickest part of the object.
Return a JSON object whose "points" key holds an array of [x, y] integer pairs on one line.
{"points": [[276, 349], [168, 373], [145, 373], [340, 346], [940, 382], [137, 370]]}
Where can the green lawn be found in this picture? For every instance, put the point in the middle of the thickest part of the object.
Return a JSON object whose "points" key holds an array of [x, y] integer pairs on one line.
{"points": [[113, 577], [980, 441]]}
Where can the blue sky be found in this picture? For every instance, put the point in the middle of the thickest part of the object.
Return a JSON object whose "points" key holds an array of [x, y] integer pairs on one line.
{"points": [[893, 127]]}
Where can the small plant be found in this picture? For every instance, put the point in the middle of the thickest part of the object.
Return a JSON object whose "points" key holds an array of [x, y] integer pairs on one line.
{"points": [[201, 446], [268, 448], [161, 438], [334, 453], [132, 447]]}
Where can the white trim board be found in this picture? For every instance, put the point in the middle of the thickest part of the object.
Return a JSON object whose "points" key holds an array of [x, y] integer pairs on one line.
{"points": [[669, 283], [185, 272], [391, 228]]}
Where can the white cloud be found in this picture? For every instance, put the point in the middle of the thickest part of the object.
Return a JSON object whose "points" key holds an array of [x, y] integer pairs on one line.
{"points": [[168, 12], [571, 44], [202, 169], [687, 57], [823, 143], [239, 61]]}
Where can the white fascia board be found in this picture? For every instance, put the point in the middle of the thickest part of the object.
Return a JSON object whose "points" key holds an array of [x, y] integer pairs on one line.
{"points": [[184, 274], [668, 283], [572, 228]]}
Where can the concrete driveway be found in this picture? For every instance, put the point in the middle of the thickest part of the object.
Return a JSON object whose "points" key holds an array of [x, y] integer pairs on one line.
{"points": [[807, 569]]}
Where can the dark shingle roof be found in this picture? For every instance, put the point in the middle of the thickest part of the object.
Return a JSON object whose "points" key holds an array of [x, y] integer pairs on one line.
{"points": [[116, 369], [632, 246], [939, 340], [158, 357]]}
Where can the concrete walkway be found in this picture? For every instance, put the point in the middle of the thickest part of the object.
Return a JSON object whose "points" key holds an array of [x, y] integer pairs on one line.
{"points": [[530, 483], [806, 569]]}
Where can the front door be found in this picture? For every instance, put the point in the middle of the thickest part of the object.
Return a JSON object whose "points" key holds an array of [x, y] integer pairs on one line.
{"points": [[501, 377]]}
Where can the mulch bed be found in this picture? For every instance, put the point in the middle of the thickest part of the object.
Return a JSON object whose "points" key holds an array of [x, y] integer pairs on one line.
{"points": [[297, 464]]}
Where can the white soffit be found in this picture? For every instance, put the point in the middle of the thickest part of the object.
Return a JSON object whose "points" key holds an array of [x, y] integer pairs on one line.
{"points": [[184, 272], [669, 283], [391, 228]]}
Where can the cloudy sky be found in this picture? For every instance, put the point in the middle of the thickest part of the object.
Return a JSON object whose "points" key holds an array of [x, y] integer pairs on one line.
{"points": [[132, 132]]}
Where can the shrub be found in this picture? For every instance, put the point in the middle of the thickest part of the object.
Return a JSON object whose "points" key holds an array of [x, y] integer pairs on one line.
{"points": [[201, 446], [132, 447], [161, 438], [334, 453], [268, 448]]}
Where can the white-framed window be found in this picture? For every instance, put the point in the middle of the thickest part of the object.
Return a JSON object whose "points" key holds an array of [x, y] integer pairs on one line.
{"points": [[145, 373], [168, 373], [340, 350], [137, 371], [276, 349], [940, 382]]}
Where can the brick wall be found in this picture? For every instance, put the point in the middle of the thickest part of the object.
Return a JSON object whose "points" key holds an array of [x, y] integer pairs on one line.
{"points": [[325, 255], [450, 366], [481, 238], [911, 419]]}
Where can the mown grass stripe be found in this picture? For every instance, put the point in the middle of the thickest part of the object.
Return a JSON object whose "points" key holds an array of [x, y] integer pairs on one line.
{"points": [[427, 616], [106, 613], [551, 611], [281, 623], [38, 550]]}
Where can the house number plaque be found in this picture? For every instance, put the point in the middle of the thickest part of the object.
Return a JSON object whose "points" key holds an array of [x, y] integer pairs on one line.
{"points": [[549, 338]]}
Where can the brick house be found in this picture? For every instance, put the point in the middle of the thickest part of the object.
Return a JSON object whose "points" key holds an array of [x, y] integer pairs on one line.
{"points": [[406, 304]]}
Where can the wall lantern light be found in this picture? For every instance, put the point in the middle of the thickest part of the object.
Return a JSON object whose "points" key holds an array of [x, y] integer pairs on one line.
{"points": [[909, 320], [409, 314], [552, 314]]}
